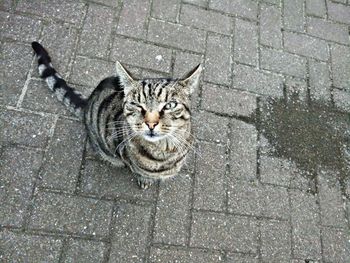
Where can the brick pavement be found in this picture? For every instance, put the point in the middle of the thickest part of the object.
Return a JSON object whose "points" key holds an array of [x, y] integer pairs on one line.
{"points": [[236, 200]]}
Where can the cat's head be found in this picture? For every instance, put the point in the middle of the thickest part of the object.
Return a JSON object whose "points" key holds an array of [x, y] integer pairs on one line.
{"points": [[157, 108]]}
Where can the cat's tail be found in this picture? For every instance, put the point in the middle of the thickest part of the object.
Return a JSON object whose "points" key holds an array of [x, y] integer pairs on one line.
{"points": [[70, 97]]}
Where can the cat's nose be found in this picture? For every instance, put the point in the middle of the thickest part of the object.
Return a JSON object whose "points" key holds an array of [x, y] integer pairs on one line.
{"points": [[151, 125]]}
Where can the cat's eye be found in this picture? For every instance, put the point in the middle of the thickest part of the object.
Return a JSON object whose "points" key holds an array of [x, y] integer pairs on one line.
{"points": [[170, 105]]}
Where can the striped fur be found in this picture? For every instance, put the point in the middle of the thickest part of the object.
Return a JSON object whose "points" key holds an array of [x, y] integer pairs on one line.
{"points": [[144, 124]]}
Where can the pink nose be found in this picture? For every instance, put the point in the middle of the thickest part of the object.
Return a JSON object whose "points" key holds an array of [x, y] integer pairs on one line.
{"points": [[151, 125]]}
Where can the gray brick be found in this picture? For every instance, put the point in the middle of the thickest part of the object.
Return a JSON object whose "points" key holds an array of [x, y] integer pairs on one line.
{"points": [[184, 62], [276, 241], [218, 61], [8, 4], [111, 3], [340, 1], [327, 30], [336, 245], [316, 8], [141, 55], [209, 189], [16, 183], [232, 102], [130, 234], [221, 231], [103, 180], [243, 150], [23, 128], [296, 89], [202, 3], [133, 18], [270, 26], [241, 258], [331, 202], [71, 214], [274, 2], [62, 163], [305, 225], [338, 12], [173, 211], [20, 28], [306, 46], [166, 10], [293, 13], [81, 251], [342, 99], [176, 35], [319, 81], [215, 129], [73, 11], [341, 66], [90, 72], [243, 8], [205, 19], [246, 42], [96, 32], [283, 62], [255, 81], [159, 255], [19, 247], [14, 66]]}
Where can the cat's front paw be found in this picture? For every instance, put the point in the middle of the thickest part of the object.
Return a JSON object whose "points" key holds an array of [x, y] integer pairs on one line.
{"points": [[144, 183]]}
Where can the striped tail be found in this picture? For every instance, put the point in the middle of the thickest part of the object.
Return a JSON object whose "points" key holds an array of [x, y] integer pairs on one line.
{"points": [[71, 98]]}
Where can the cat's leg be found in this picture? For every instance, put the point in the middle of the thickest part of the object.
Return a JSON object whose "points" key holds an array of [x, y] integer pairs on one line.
{"points": [[144, 182]]}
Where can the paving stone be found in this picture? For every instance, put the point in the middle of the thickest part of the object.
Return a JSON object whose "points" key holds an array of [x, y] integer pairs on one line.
{"points": [[20, 28], [306, 46], [243, 8], [270, 26], [166, 10], [293, 13], [173, 210], [133, 18], [103, 180], [340, 1], [241, 258], [159, 255], [221, 231], [73, 10], [210, 127], [63, 158], [19, 247], [296, 89], [112, 3], [341, 66], [209, 192], [130, 233], [90, 72], [327, 30], [176, 35], [246, 42], [274, 2], [217, 60], [283, 62], [6, 5], [243, 150], [16, 183], [59, 41], [24, 128], [342, 99], [331, 202], [276, 241], [96, 32], [202, 3], [184, 62], [14, 66], [71, 214], [319, 81], [316, 8], [141, 54], [255, 81], [338, 12], [205, 19], [305, 225], [81, 251], [336, 245]]}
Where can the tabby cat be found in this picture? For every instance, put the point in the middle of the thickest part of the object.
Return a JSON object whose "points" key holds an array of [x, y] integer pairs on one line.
{"points": [[143, 124]]}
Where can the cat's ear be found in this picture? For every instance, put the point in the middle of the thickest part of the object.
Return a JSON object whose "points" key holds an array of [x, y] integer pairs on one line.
{"points": [[125, 77], [192, 78]]}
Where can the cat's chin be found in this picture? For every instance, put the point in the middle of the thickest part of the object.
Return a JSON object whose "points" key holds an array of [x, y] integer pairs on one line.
{"points": [[153, 138]]}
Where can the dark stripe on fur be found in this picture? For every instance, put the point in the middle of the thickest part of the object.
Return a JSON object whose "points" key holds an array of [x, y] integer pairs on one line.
{"points": [[48, 72]]}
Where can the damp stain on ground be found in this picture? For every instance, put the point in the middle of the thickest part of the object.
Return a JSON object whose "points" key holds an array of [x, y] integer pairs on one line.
{"points": [[313, 136]]}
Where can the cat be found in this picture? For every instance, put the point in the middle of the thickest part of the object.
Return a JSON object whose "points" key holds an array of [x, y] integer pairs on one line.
{"points": [[144, 124]]}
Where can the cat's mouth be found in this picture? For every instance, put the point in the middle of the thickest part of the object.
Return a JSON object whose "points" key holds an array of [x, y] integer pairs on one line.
{"points": [[153, 136]]}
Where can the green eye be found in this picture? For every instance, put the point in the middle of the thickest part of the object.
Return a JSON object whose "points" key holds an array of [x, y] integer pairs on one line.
{"points": [[170, 105]]}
